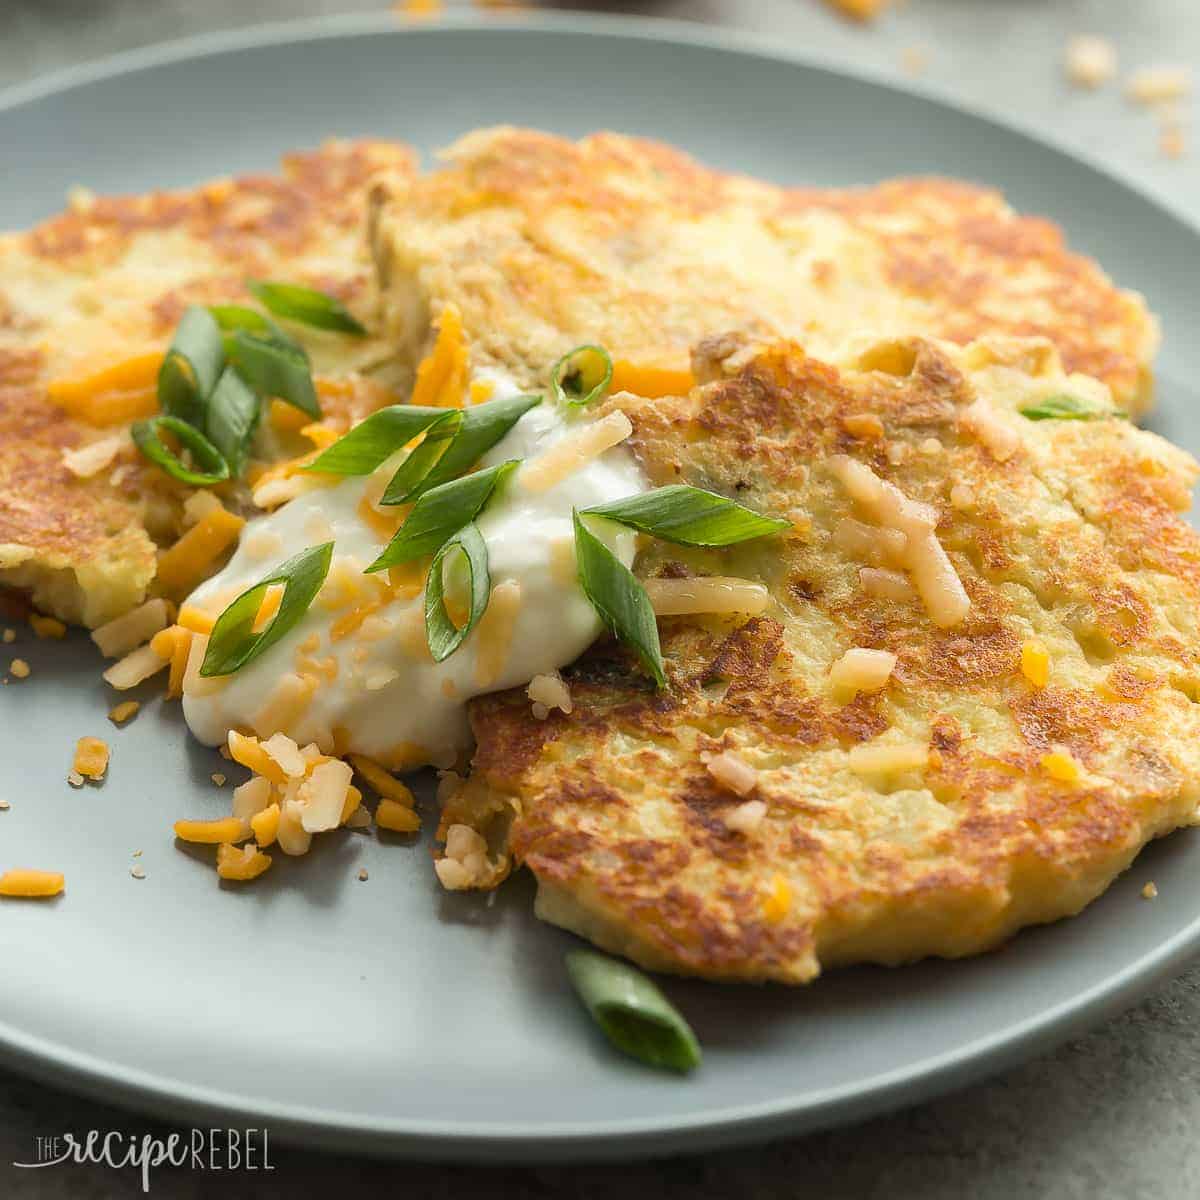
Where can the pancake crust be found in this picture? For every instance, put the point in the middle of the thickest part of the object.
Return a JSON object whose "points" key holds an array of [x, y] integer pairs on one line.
{"points": [[545, 243], [107, 281], [1075, 540]]}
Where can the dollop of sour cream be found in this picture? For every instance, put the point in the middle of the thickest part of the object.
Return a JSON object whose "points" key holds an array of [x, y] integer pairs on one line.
{"points": [[378, 687]]}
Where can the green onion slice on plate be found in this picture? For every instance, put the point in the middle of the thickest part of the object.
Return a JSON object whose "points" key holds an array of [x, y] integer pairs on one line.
{"points": [[633, 1014], [233, 642], [191, 367], [206, 456], [582, 376], [233, 414], [1065, 407], [306, 306], [619, 599], [442, 635], [688, 516], [440, 513]]}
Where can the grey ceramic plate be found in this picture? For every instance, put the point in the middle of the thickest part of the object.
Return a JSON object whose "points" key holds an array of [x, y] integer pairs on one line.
{"points": [[387, 1015]]}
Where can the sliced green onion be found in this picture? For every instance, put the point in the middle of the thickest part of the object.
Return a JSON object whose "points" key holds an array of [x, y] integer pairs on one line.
{"points": [[146, 437], [443, 636], [619, 599], [633, 1014], [410, 476], [373, 441], [688, 516], [274, 368], [1064, 407], [192, 365], [306, 306], [232, 317], [233, 414], [582, 375], [440, 513], [233, 643], [479, 428]]}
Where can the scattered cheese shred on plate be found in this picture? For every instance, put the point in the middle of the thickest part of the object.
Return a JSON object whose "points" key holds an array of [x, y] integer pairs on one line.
{"points": [[396, 817], [123, 712], [133, 629], [29, 884], [241, 863], [91, 757]]}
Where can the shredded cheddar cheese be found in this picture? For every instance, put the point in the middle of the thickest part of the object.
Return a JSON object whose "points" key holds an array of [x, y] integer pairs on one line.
{"points": [[27, 884], [574, 451], [777, 902], [1061, 765], [241, 863], [493, 636], [442, 374], [47, 627], [265, 825], [136, 667], [396, 817], [91, 758], [180, 652], [120, 713], [114, 395], [129, 631], [286, 418], [249, 752], [211, 833], [651, 382], [191, 558], [381, 781], [1035, 663], [196, 619], [706, 594], [267, 610]]}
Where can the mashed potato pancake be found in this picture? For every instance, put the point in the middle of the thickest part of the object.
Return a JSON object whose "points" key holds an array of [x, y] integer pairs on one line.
{"points": [[970, 701], [88, 303], [544, 244]]}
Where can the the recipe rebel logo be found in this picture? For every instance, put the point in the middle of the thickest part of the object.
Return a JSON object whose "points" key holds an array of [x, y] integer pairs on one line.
{"points": [[195, 1150]]}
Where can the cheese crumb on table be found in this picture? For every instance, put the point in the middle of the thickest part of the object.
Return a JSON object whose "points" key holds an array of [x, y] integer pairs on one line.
{"points": [[1159, 84], [915, 59], [1172, 142], [47, 627], [859, 10], [9, 636], [31, 885], [137, 872], [120, 713], [1090, 61], [19, 669], [362, 875], [91, 758], [1150, 891]]}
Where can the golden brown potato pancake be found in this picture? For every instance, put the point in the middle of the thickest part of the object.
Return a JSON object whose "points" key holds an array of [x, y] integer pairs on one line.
{"points": [[105, 283], [966, 798], [545, 243]]}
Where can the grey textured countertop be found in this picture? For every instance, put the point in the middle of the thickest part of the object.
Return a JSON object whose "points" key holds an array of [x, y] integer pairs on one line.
{"points": [[1114, 1113]]}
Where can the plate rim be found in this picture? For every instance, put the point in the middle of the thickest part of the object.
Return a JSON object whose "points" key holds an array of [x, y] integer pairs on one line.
{"points": [[130, 1087]]}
